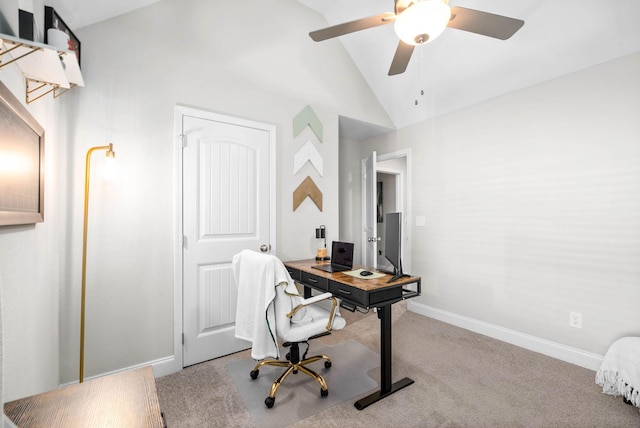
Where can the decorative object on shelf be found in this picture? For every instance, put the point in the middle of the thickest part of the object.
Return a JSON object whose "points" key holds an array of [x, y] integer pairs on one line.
{"points": [[321, 254], [109, 154], [308, 153], [307, 189], [25, 25], [58, 39], [46, 70], [21, 163], [53, 21], [307, 117]]}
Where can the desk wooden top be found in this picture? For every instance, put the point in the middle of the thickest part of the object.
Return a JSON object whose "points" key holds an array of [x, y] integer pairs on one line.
{"points": [[361, 283], [127, 399]]}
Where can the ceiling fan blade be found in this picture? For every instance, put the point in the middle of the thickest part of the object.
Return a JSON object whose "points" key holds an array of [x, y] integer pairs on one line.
{"points": [[401, 58], [352, 26], [484, 23]]}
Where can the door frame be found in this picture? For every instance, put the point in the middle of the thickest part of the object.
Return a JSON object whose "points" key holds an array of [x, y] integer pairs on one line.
{"points": [[407, 247], [179, 112], [365, 205]]}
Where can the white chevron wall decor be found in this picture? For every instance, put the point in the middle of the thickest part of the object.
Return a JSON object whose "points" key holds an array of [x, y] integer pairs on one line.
{"points": [[308, 153]]}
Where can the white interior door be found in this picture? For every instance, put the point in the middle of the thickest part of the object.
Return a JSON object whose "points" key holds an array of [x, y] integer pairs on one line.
{"points": [[369, 214], [227, 192]]}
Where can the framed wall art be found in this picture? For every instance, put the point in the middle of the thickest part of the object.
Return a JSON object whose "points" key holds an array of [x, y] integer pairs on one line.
{"points": [[53, 21], [21, 163]]}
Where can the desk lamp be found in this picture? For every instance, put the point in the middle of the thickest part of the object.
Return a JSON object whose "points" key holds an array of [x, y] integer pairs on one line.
{"points": [[321, 254]]}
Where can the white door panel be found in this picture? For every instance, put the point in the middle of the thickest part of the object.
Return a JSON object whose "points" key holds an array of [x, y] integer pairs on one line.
{"points": [[226, 208], [369, 215]]}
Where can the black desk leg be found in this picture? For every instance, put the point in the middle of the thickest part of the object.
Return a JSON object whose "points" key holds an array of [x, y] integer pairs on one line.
{"points": [[386, 386]]}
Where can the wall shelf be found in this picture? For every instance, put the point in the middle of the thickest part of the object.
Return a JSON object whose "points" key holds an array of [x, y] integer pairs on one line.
{"points": [[45, 68]]}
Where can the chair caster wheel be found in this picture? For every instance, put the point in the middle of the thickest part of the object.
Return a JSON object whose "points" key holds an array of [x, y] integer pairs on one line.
{"points": [[288, 356], [269, 401], [254, 374], [327, 364], [324, 392]]}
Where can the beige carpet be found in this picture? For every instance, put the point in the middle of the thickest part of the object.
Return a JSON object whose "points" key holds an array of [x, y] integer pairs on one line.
{"points": [[462, 379], [299, 395]]}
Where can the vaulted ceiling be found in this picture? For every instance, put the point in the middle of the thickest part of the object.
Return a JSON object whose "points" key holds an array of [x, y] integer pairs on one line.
{"points": [[459, 68]]}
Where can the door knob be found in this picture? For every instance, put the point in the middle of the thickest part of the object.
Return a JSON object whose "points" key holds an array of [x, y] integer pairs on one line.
{"points": [[264, 248], [373, 239]]}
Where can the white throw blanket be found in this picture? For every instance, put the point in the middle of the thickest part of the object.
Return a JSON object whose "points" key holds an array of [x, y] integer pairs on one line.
{"points": [[257, 276], [619, 372]]}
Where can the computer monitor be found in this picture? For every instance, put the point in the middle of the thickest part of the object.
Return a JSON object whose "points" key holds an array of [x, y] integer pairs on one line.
{"points": [[393, 243]]}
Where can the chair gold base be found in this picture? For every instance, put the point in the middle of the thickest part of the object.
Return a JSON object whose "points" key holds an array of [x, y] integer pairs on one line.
{"points": [[293, 365]]}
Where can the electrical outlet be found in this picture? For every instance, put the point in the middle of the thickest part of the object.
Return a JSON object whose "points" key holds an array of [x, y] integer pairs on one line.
{"points": [[575, 319]]}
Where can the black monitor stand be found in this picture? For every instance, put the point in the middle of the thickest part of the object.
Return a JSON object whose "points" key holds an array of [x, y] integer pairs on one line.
{"points": [[397, 274]]}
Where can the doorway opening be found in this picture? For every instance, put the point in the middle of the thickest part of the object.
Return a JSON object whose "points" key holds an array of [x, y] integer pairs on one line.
{"points": [[391, 193]]}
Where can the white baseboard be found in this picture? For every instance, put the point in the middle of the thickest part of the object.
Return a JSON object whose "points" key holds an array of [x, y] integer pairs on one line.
{"points": [[165, 366], [161, 367], [532, 343]]}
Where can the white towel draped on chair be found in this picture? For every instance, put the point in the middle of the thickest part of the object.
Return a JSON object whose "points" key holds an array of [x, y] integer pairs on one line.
{"points": [[255, 303]]}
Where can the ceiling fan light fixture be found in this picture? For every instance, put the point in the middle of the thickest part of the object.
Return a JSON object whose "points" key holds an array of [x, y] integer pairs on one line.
{"points": [[423, 21]]}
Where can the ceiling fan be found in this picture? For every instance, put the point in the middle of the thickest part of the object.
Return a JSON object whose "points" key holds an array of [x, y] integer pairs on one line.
{"points": [[421, 21]]}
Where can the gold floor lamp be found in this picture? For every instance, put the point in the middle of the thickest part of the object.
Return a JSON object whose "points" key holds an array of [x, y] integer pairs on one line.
{"points": [[110, 154]]}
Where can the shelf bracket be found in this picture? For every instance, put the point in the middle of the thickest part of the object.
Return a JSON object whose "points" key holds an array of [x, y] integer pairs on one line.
{"points": [[48, 71], [59, 91], [35, 89], [15, 46]]}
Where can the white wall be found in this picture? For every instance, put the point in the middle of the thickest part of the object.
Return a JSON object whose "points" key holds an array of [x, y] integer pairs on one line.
{"points": [[219, 56], [529, 243], [33, 258], [532, 207]]}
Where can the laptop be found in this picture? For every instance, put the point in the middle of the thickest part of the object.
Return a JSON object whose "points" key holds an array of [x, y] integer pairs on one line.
{"points": [[341, 257]]}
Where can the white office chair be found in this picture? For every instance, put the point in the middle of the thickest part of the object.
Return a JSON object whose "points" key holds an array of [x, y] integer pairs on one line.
{"points": [[269, 307]]}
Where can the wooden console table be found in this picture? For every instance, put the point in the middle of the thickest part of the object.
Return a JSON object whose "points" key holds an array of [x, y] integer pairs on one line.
{"points": [[127, 399]]}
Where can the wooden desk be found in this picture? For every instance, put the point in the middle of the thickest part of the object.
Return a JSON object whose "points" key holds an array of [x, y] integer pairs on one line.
{"points": [[365, 293], [127, 399]]}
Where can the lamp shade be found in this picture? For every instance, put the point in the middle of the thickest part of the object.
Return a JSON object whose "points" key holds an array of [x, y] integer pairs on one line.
{"points": [[422, 22]]}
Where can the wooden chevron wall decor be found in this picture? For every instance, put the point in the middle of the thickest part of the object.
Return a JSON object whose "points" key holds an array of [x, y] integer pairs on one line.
{"points": [[307, 117], [307, 189], [308, 153]]}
